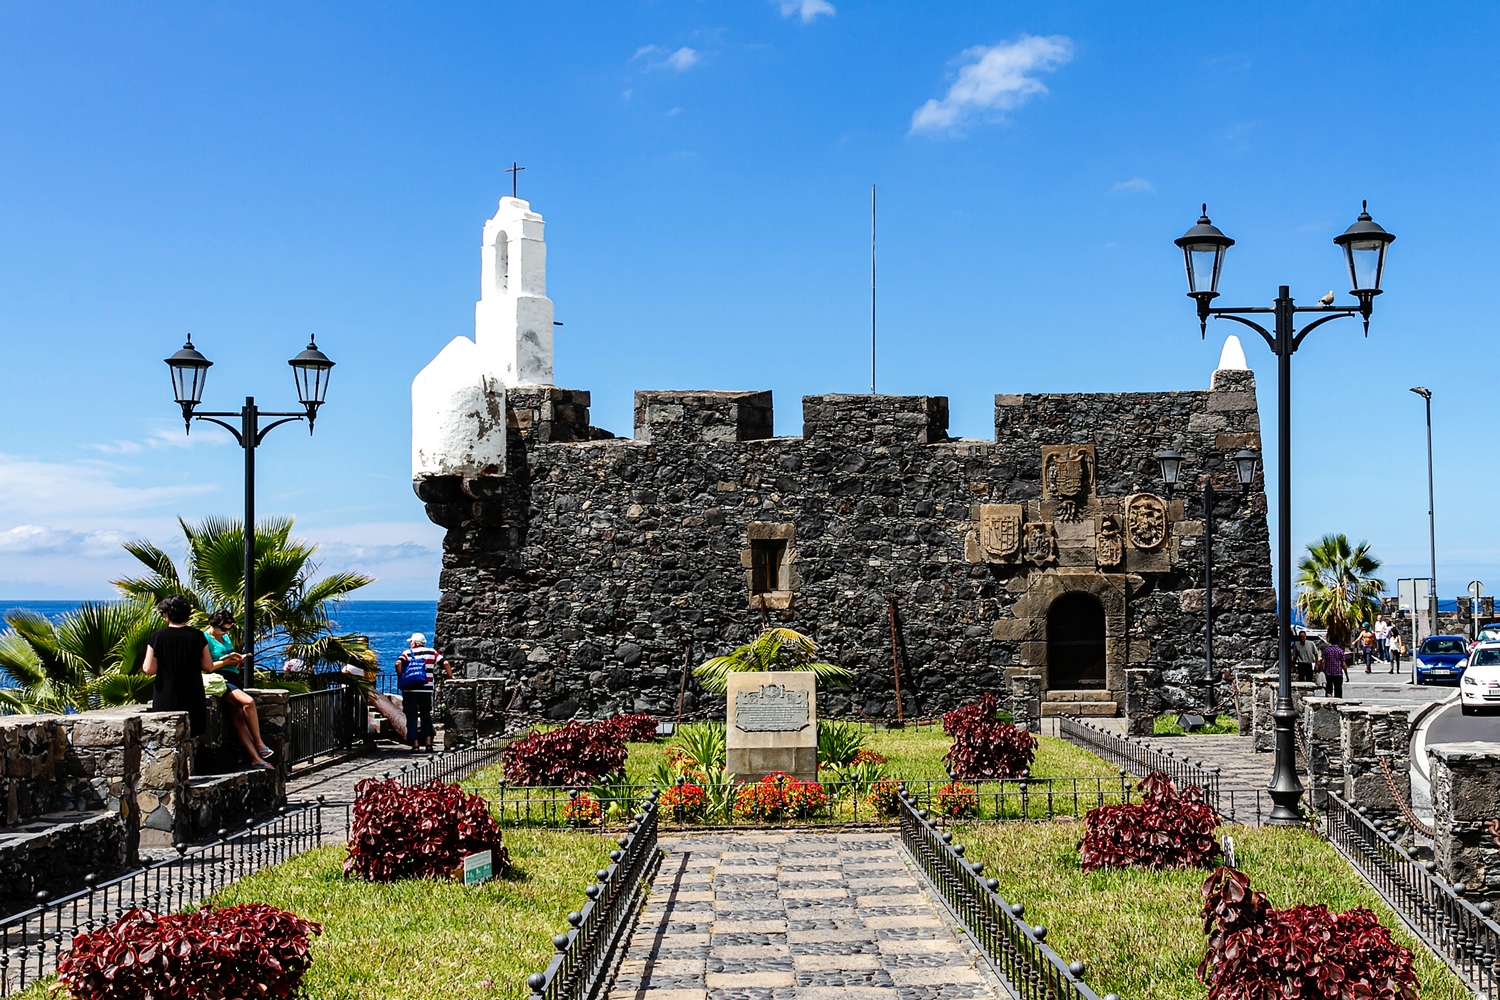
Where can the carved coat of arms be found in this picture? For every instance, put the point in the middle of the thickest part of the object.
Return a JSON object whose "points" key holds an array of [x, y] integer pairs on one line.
{"points": [[1040, 543], [1068, 473], [1000, 531], [1109, 544], [1146, 520]]}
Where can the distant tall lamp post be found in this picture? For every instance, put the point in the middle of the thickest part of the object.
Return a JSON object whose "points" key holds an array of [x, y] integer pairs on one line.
{"points": [[189, 372], [1432, 594], [1170, 462], [1364, 245]]}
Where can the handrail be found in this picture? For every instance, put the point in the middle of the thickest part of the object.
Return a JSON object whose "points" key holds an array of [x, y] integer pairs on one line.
{"points": [[1460, 932], [585, 952], [1143, 759], [321, 722], [1017, 950], [32, 941]]}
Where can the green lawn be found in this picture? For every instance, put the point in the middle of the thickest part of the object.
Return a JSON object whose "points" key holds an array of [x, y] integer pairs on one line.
{"points": [[1139, 932]]}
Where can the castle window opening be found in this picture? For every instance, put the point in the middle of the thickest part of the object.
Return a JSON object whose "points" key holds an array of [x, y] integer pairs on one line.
{"points": [[767, 570]]}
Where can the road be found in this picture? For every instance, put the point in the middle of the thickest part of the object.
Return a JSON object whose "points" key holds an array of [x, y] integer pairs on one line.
{"points": [[1452, 726]]}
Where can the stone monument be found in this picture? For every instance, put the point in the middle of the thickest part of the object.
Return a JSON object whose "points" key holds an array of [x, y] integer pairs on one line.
{"points": [[772, 724]]}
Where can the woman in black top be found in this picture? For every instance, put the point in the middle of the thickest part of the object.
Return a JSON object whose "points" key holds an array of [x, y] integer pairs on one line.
{"points": [[178, 656]]}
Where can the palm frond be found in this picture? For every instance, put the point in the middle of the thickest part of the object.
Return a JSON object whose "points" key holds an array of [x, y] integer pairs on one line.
{"points": [[774, 649]]}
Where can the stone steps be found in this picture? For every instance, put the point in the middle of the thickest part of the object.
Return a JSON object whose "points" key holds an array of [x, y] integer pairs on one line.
{"points": [[1091, 703]]}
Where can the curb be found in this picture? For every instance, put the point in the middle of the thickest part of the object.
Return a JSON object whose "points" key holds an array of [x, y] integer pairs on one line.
{"points": [[1419, 724]]}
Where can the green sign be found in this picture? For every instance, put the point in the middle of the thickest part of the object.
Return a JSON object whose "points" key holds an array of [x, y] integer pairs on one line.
{"points": [[479, 867]]}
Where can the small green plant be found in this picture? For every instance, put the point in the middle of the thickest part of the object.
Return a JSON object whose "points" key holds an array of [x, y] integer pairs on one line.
{"points": [[1166, 725], [838, 742], [703, 744]]}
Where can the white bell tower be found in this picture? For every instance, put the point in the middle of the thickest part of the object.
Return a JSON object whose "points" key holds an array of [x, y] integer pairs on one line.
{"points": [[513, 317]]}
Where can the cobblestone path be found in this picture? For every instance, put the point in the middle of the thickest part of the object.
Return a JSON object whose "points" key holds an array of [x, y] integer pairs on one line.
{"points": [[760, 916]]}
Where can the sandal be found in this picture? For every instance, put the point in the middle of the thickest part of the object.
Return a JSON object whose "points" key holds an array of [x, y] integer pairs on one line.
{"points": [[266, 753]]}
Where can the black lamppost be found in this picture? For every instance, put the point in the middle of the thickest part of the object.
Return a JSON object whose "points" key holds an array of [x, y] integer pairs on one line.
{"points": [[1432, 595], [189, 372], [1364, 245], [1171, 474]]}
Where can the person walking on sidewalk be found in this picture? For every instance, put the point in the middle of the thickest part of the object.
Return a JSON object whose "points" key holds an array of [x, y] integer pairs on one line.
{"points": [[1383, 637], [415, 670], [1397, 647], [1334, 663], [1366, 644], [1304, 655]]}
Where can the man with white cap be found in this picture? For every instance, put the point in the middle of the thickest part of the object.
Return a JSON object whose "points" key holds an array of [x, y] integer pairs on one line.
{"points": [[414, 675]]}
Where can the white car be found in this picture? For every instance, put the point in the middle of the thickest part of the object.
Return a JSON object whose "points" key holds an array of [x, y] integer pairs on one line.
{"points": [[1480, 688]]}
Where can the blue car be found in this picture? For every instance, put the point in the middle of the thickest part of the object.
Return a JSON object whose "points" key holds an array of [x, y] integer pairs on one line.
{"points": [[1442, 658]]}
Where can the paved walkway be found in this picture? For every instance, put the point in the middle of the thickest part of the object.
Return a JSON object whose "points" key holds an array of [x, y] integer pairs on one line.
{"points": [[761, 916]]}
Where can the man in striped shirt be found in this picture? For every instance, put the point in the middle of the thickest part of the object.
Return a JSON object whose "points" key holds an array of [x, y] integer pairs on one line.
{"points": [[415, 669]]}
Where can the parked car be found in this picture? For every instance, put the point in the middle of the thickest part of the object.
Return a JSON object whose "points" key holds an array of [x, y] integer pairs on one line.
{"points": [[1489, 633], [1441, 658], [1479, 689]]}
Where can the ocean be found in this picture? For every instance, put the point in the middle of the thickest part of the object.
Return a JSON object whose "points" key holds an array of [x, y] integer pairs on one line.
{"points": [[389, 624]]}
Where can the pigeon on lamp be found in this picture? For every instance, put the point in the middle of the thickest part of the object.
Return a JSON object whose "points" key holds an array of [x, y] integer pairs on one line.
{"points": [[1326, 300]]}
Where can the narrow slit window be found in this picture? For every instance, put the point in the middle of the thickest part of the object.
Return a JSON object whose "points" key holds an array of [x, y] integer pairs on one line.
{"points": [[767, 556]]}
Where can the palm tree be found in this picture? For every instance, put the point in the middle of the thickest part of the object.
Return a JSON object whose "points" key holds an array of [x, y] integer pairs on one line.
{"points": [[293, 608], [773, 649], [89, 658], [1336, 583]]}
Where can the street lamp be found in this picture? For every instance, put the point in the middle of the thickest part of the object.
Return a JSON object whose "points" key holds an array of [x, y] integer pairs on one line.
{"points": [[1432, 598], [1171, 474], [1364, 245], [189, 370]]}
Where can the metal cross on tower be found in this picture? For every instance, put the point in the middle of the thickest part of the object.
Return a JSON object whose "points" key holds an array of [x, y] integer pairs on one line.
{"points": [[515, 171]]}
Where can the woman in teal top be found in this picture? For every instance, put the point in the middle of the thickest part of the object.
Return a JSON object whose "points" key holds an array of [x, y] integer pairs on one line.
{"points": [[238, 705]]}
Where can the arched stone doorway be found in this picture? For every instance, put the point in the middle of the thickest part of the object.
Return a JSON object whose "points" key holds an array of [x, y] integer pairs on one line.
{"points": [[1076, 654]]}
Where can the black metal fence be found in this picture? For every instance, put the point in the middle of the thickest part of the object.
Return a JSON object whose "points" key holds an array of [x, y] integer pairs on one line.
{"points": [[846, 802], [31, 941], [454, 765], [585, 952], [323, 722], [1017, 950], [1142, 759], [1461, 932]]}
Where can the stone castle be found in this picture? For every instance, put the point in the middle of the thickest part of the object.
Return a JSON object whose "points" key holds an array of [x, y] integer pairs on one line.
{"points": [[585, 571]]}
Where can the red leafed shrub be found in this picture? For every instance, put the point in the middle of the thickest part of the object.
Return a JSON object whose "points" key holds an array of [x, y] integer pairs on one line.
{"points": [[869, 757], [1306, 952], [1167, 829], [579, 753], [983, 746], [240, 951], [637, 728], [958, 801], [419, 832], [780, 796], [687, 800]]}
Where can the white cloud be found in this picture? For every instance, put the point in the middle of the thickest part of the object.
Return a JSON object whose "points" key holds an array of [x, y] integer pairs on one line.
{"points": [[657, 57], [808, 10], [35, 490], [673, 112], [994, 78], [1136, 185]]}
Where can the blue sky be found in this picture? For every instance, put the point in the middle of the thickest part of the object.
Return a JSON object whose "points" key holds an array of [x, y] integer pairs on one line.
{"points": [[254, 173]]}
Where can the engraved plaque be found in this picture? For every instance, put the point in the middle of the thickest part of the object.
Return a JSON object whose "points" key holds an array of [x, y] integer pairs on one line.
{"points": [[772, 709]]}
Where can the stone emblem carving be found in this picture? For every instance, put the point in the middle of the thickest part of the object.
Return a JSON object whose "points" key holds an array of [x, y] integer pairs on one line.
{"points": [[1068, 476], [1146, 520], [1108, 542], [772, 709], [1040, 543], [1000, 531]]}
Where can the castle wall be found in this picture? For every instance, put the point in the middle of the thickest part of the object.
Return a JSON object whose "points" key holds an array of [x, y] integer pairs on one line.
{"points": [[590, 570]]}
